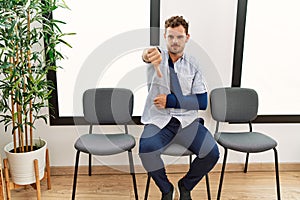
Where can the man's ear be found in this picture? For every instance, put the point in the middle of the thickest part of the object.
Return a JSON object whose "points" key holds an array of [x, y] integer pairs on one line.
{"points": [[165, 35], [187, 37]]}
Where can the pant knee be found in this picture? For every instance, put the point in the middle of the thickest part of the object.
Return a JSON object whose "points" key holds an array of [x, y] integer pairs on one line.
{"points": [[214, 154], [146, 147], [150, 158]]}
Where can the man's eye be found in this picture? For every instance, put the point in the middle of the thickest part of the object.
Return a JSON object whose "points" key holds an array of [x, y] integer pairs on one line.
{"points": [[171, 37]]}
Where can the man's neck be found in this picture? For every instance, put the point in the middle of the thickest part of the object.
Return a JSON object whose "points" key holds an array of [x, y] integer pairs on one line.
{"points": [[175, 57]]}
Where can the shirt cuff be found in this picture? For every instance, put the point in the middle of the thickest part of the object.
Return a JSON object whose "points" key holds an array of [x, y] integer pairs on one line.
{"points": [[171, 101]]}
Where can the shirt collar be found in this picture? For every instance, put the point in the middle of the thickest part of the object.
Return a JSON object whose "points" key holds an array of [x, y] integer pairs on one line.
{"points": [[180, 59]]}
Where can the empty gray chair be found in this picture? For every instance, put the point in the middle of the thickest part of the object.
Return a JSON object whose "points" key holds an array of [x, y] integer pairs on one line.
{"points": [[178, 150], [104, 106], [239, 105]]}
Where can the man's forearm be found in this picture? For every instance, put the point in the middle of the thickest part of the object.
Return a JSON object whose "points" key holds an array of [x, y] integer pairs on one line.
{"points": [[189, 102]]}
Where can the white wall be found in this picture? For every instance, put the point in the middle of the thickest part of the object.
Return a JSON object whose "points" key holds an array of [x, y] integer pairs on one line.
{"points": [[217, 39]]}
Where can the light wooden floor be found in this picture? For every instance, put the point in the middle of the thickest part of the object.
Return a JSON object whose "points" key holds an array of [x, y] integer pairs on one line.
{"points": [[237, 186]]}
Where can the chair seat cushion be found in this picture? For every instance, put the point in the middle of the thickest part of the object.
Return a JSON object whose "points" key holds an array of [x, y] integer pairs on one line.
{"points": [[250, 142], [177, 150], [104, 144]]}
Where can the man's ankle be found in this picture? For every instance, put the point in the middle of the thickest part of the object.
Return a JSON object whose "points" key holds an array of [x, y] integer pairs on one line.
{"points": [[169, 195], [184, 194]]}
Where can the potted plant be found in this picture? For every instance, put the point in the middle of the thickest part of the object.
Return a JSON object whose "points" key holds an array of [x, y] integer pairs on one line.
{"points": [[24, 88]]}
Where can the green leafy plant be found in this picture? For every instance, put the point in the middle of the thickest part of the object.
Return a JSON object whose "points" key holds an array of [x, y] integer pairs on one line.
{"points": [[24, 88]]}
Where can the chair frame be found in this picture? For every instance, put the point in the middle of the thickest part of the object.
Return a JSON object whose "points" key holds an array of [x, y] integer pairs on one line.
{"points": [[246, 166], [131, 165], [130, 158]]}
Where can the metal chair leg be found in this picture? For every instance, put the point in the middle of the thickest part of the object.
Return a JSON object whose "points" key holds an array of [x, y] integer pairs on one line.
{"points": [[246, 163], [222, 174], [75, 175], [132, 172], [277, 174], [90, 164], [207, 187], [147, 187]]}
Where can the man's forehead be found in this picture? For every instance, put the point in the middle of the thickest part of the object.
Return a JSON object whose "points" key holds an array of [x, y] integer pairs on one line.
{"points": [[175, 31]]}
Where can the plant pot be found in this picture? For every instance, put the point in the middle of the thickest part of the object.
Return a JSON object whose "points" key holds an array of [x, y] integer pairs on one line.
{"points": [[21, 165]]}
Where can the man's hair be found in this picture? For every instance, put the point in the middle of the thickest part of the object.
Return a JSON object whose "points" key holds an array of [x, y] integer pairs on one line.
{"points": [[177, 21]]}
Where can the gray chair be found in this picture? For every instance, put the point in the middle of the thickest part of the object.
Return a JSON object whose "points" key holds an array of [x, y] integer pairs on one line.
{"points": [[104, 106], [178, 150], [239, 105]]}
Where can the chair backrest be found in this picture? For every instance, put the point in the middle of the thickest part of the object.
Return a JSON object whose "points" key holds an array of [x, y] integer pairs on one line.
{"points": [[234, 104], [108, 105]]}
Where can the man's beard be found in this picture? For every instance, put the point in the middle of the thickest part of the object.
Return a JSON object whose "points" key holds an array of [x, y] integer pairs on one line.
{"points": [[176, 49]]}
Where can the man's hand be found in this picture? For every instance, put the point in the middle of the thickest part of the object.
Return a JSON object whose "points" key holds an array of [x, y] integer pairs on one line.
{"points": [[153, 56], [160, 101]]}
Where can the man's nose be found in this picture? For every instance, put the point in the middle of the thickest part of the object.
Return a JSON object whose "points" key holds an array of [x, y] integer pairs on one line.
{"points": [[175, 39]]}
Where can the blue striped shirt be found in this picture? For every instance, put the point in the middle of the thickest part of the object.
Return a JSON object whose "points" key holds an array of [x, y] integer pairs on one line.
{"points": [[191, 82]]}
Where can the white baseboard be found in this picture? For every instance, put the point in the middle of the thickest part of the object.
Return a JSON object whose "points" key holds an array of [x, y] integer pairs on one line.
{"points": [[179, 168]]}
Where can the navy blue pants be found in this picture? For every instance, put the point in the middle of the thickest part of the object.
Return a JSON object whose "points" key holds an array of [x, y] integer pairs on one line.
{"points": [[195, 137]]}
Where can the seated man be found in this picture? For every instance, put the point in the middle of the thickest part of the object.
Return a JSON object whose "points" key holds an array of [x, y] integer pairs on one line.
{"points": [[176, 93]]}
